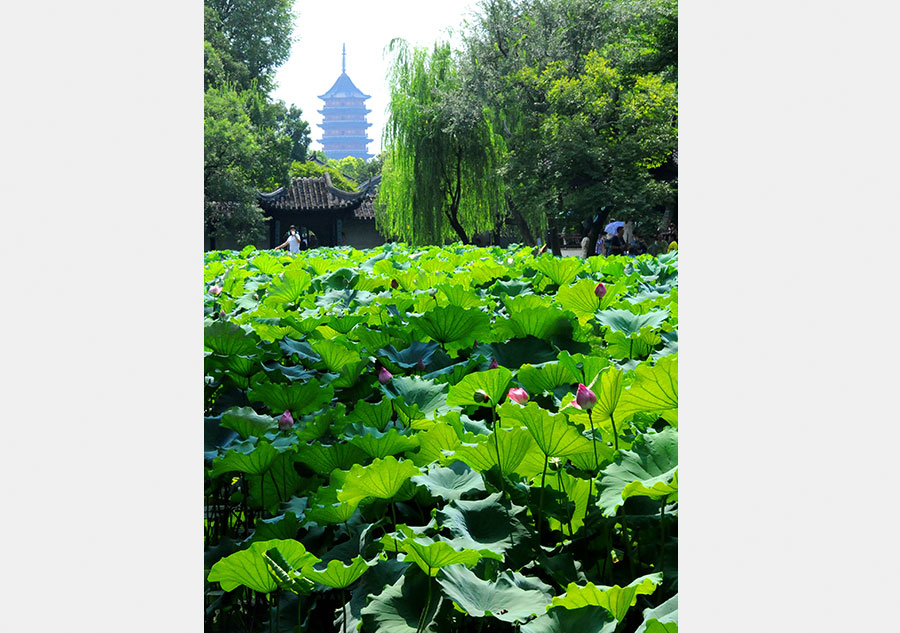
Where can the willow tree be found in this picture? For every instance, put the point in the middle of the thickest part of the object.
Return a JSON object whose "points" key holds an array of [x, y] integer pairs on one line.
{"points": [[439, 181]]}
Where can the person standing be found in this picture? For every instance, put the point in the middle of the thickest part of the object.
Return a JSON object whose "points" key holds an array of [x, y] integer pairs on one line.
{"points": [[586, 244], [294, 242], [617, 243], [629, 231]]}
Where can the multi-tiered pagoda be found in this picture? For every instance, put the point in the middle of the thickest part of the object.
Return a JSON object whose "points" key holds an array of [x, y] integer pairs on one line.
{"points": [[344, 118]]}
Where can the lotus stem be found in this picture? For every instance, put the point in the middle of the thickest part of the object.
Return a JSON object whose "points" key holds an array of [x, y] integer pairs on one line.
{"points": [[615, 433], [541, 499], [495, 425], [424, 615], [596, 459], [344, 606], [662, 535]]}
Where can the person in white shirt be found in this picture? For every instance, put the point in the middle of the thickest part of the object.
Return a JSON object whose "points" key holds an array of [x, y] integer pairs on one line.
{"points": [[294, 242]]}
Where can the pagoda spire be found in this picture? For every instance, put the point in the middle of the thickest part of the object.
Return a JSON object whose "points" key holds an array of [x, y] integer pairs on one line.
{"points": [[344, 58]]}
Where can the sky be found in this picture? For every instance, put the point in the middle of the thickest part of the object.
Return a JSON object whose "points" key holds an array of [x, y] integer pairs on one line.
{"points": [[367, 28]]}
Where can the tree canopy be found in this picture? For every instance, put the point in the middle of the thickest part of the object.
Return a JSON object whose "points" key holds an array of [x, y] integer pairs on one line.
{"points": [[439, 180], [250, 139]]}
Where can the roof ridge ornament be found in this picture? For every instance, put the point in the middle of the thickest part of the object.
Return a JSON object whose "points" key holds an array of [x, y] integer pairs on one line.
{"points": [[344, 58]]}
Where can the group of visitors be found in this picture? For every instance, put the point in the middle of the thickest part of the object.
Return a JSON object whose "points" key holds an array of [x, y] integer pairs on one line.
{"points": [[626, 242]]}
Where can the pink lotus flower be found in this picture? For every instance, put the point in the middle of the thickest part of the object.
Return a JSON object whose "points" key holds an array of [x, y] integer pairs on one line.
{"points": [[216, 290], [384, 376], [600, 290], [286, 421], [518, 395], [585, 398], [394, 284], [420, 366], [493, 364]]}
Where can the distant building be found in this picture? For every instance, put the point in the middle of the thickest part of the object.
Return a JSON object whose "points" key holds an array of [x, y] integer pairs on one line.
{"points": [[334, 216], [344, 118]]}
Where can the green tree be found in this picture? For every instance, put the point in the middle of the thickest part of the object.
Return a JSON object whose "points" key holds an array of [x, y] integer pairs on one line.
{"points": [[528, 62], [440, 179]]}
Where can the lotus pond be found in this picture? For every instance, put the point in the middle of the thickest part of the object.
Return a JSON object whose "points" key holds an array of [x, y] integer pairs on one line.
{"points": [[450, 439]]}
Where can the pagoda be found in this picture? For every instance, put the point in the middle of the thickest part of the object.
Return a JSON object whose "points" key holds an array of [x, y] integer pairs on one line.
{"points": [[344, 118]]}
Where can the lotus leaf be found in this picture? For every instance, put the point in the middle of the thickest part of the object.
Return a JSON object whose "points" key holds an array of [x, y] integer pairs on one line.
{"points": [[617, 600], [249, 567], [512, 597]]}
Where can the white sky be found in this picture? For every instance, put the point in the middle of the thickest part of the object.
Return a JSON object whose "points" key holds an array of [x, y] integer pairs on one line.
{"points": [[366, 27]]}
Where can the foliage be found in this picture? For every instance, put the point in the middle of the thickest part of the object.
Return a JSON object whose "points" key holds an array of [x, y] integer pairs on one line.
{"points": [[439, 180], [428, 500], [310, 169], [249, 138]]}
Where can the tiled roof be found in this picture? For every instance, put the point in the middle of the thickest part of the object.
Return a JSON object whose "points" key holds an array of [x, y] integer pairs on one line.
{"points": [[318, 194], [344, 88]]}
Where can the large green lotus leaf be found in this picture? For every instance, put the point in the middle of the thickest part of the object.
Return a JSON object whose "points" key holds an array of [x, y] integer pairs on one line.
{"points": [[552, 432], [276, 485], [512, 597], [245, 457], [516, 352], [584, 368], [583, 620], [617, 600], [310, 429], [266, 263], [530, 315], [580, 299], [325, 458], [301, 349], [493, 382], [630, 323], [298, 398], [662, 619], [651, 469], [484, 524], [373, 415], [247, 422], [653, 390], [292, 373], [560, 270], [339, 279], [460, 296], [377, 444], [326, 508], [383, 574], [409, 357], [335, 356], [515, 446], [577, 491], [229, 339], [212, 270], [545, 377], [401, 607], [381, 479], [452, 482], [512, 288], [485, 271], [431, 555], [289, 290], [302, 326], [249, 568], [433, 442], [343, 323], [453, 325], [338, 575], [631, 346], [608, 389], [429, 396], [283, 526], [344, 299]]}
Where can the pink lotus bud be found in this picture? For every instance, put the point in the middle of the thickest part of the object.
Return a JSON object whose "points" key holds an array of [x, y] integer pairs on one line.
{"points": [[420, 366], [286, 421], [216, 290], [384, 376], [222, 314], [394, 284], [518, 395], [600, 290], [585, 398], [493, 364]]}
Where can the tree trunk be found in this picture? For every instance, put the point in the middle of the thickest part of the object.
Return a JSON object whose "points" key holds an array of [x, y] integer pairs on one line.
{"points": [[527, 235], [453, 211], [553, 238]]}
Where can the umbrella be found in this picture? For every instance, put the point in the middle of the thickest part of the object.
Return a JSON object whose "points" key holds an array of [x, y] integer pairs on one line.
{"points": [[612, 227]]}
